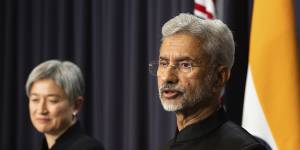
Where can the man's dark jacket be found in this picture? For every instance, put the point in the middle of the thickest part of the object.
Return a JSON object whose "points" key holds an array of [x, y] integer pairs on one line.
{"points": [[214, 133]]}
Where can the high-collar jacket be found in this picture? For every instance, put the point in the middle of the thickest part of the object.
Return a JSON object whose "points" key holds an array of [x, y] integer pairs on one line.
{"points": [[214, 133]]}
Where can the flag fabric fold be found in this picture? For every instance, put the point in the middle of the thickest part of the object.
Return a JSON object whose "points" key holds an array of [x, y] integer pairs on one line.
{"points": [[205, 9], [272, 96]]}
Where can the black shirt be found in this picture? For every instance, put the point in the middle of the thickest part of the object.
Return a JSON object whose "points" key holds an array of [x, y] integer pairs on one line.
{"points": [[214, 133], [74, 139]]}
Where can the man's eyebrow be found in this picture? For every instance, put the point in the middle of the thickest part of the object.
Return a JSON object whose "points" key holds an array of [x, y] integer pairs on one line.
{"points": [[163, 58], [184, 58], [180, 58]]}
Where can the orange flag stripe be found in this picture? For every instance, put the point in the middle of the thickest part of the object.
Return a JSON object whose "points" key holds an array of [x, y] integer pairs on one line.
{"points": [[273, 61]]}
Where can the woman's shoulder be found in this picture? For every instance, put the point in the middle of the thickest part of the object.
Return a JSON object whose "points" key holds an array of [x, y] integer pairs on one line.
{"points": [[77, 139], [86, 143]]}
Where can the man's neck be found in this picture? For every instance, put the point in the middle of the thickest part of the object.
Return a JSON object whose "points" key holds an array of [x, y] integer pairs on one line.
{"points": [[193, 115]]}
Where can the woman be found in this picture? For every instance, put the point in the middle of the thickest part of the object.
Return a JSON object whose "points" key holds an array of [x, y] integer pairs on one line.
{"points": [[55, 90]]}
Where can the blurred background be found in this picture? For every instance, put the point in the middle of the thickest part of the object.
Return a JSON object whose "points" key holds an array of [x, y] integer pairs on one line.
{"points": [[112, 41]]}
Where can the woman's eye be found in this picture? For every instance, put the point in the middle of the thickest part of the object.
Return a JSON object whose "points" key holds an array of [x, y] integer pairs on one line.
{"points": [[54, 101], [34, 100]]}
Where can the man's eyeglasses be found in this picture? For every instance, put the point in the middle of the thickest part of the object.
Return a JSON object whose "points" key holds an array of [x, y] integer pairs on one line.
{"points": [[159, 67]]}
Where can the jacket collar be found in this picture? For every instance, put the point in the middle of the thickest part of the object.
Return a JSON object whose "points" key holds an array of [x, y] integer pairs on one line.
{"points": [[201, 128], [65, 139]]}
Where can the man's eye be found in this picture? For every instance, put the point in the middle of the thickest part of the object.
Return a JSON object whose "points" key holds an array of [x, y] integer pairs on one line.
{"points": [[185, 65], [163, 64]]}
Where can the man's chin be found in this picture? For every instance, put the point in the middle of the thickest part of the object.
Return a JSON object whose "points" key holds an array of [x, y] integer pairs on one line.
{"points": [[171, 106]]}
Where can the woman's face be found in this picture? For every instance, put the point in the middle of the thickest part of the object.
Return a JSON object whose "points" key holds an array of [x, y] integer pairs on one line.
{"points": [[50, 109]]}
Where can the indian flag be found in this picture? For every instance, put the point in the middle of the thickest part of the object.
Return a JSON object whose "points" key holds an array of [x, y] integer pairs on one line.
{"points": [[272, 96]]}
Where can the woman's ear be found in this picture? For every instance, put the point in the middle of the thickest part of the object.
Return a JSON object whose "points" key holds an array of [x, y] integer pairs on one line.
{"points": [[78, 103]]}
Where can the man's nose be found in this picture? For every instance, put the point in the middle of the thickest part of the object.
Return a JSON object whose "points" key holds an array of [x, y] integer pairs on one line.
{"points": [[170, 74]]}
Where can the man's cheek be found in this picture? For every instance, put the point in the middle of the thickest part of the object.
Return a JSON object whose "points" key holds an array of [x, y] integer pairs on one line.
{"points": [[159, 82], [191, 85]]}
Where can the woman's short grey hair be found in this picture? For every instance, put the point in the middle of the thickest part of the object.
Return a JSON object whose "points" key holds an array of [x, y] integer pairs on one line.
{"points": [[215, 36], [66, 74]]}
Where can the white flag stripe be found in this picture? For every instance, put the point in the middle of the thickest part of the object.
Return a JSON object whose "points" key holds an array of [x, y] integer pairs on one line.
{"points": [[208, 4], [200, 14], [254, 120]]}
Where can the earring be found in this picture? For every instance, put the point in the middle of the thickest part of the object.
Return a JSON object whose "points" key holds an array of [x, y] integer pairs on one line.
{"points": [[74, 117]]}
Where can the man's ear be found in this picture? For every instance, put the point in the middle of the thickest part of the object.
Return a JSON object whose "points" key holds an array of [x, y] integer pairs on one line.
{"points": [[78, 104], [223, 75]]}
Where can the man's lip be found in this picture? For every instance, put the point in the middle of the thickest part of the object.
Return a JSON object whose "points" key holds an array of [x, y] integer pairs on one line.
{"points": [[170, 94]]}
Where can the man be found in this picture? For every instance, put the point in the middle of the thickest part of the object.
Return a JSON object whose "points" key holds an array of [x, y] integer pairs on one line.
{"points": [[195, 60]]}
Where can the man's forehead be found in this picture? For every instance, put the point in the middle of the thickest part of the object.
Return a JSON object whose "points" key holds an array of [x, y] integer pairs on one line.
{"points": [[185, 48], [171, 43], [181, 40]]}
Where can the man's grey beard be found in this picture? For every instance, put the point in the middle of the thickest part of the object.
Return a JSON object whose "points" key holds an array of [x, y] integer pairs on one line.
{"points": [[201, 94]]}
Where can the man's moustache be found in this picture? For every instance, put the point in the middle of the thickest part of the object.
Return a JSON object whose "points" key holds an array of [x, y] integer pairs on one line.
{"points": [[170, 87]]}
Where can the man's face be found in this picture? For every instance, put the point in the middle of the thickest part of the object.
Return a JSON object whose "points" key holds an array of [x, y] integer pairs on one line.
{"points": [[180, 90], [50, 109]]}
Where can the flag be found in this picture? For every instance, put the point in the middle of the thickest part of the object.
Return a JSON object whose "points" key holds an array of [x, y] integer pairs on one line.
{"points": [[272, 95], [205, 9]]}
